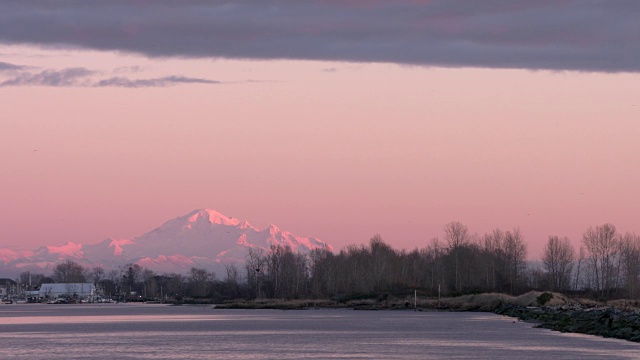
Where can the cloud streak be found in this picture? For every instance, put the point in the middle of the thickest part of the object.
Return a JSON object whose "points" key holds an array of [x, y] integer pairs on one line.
{"points": [[65, 77], [10, 67], [82, 77], [157, 82], [585, 35]]}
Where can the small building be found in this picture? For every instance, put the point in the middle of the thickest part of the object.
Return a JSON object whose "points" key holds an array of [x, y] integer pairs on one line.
{"points": [[67, 290], [32, 296], [7, 287]]}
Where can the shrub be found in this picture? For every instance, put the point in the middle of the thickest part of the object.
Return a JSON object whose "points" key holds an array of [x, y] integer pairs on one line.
{"points": [[544, 298]]}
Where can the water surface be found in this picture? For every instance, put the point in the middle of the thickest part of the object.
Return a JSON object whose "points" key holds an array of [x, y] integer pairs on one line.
{"points": [[134, 331]]}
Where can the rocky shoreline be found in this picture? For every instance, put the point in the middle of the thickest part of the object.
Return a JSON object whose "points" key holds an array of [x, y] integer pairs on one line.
{"points": [[601, 321]]}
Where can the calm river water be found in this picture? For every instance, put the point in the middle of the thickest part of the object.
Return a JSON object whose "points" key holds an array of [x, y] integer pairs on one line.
{"points": [[128, 331]]}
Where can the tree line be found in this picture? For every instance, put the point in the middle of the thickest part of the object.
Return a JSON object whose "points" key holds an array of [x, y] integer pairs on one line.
{"points": [[606, 265], [132, 282]]}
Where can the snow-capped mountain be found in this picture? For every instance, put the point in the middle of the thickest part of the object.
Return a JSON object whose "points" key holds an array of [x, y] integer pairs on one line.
{"points": [[203, 238]]}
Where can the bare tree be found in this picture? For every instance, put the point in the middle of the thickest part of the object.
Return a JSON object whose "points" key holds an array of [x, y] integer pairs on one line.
{"points": [[558, 261], [232, 279], [382, 256], [131, 279], [516, 251], [320, 265], [200, 282], [457, 235], [97, 275], [112, 282], [602, 245], [630, 258], [255, 267], [69, 272], [434, 255], [579, 262], [175, 286], [494, 253]]}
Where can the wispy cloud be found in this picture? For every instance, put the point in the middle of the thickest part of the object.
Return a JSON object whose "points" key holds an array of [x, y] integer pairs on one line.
{"points": [[586, 35], [127, 69], [10, 67], [157, 82], [64, 77], [82, 77]]}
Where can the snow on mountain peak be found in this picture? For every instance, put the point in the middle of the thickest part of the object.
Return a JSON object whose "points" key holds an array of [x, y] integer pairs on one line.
{"points": [[202, 238], [244, 225], [212, 216], [7, 255], [117, 245], [69, 250], [273, 229]]}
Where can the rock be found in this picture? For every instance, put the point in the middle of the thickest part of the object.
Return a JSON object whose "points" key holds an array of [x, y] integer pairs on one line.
{"points": [[603, 321]]}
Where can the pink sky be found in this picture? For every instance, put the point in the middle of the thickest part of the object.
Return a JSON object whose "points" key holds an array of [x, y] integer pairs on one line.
{"points": [[340, 151]]}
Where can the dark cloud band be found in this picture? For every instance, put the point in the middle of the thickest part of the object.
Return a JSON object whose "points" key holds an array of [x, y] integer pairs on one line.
{"points": [[588, 35]]}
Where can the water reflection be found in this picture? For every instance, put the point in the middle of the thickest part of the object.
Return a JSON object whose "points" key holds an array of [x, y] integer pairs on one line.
{"points": [[122, 331]]}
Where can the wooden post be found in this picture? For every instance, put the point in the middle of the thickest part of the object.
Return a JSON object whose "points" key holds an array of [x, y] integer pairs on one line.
{"points": [[415, 300]]}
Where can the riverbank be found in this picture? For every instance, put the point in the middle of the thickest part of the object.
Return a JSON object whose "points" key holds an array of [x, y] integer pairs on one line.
{"points": [[602, 321], [479, 302], [619, 319]]}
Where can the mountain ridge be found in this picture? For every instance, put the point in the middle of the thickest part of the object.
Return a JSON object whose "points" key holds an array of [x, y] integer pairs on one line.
{"points": [[201, 238]]}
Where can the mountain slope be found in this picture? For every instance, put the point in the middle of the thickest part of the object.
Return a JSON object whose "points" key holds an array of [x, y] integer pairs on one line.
{"points": [[201, 238]]}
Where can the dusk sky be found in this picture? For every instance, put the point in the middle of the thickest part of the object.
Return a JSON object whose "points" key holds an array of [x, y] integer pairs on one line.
{"points": [[333, 119]]}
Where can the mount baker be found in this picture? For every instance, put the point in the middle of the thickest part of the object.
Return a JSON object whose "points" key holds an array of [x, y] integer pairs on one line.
{"points": [[203, 238]]}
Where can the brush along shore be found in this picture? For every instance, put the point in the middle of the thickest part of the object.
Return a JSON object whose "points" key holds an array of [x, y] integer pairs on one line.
{"points": [[477, 302]]}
